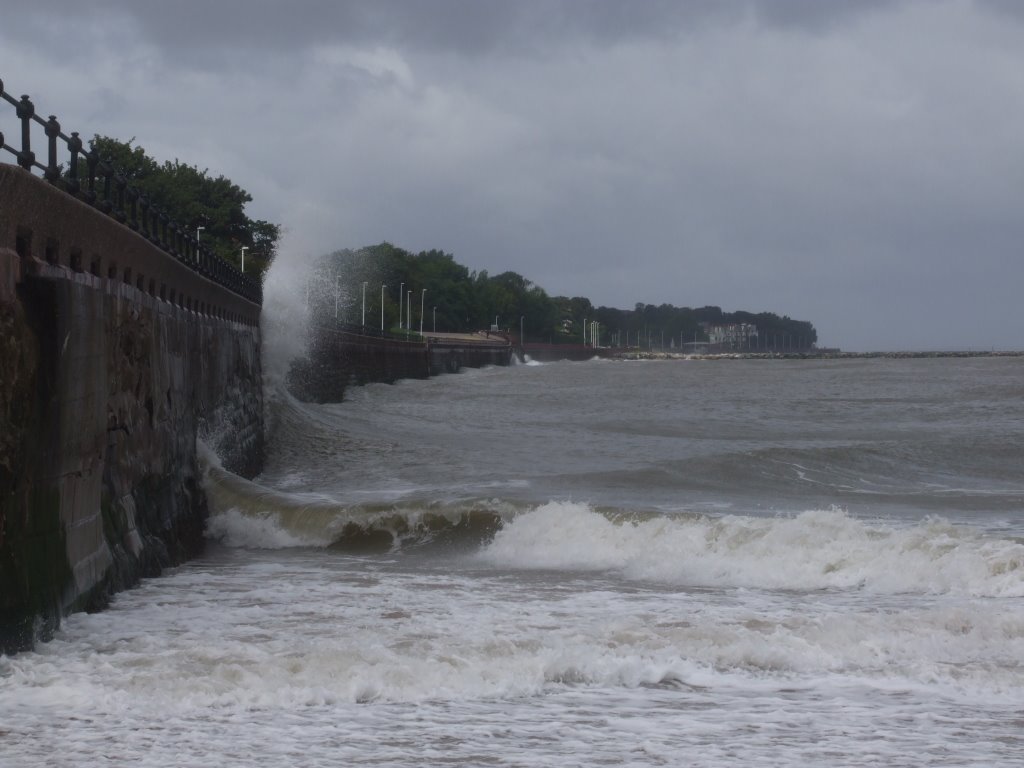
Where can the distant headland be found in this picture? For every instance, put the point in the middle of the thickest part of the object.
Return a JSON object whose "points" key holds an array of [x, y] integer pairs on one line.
{"points": [[393, 290]]}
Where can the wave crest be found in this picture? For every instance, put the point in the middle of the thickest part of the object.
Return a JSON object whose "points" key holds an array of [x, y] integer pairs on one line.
{"points": [[817, 549], [246, 514]]}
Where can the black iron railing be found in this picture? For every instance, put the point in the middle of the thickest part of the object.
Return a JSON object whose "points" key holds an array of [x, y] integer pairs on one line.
{"points": [[104, 188]]}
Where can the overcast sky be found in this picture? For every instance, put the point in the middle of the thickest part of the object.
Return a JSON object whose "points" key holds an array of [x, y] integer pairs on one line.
{"points": [[856, 164]]}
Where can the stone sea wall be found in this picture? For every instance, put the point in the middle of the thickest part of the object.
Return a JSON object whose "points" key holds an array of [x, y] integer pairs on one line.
{"points": [[338, 359], [446, 356], [114, 359]]}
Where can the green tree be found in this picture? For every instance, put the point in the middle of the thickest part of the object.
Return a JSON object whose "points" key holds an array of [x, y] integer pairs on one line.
{"points": [[195, 199]]}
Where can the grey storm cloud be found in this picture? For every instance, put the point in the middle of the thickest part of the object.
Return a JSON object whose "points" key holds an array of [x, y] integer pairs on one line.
{"points": [[856, 164], [192, 33]]}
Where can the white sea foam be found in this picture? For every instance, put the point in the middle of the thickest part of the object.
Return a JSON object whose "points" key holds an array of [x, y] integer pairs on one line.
{"points": [[301, 632], [820, 549], [310, 657], [261, 531]]}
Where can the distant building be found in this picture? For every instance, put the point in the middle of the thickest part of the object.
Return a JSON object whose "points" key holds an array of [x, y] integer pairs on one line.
{"points": [[732, 336]]}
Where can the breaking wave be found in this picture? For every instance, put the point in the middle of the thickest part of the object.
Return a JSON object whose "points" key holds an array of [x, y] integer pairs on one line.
{"points": [[818, 549], [246, 514], [825, 549]]}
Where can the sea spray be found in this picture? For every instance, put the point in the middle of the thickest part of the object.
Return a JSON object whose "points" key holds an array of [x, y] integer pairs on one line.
{"points": [[284, 324]]}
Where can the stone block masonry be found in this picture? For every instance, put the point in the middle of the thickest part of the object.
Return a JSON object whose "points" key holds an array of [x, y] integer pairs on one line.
{"points": [[114, 359]]}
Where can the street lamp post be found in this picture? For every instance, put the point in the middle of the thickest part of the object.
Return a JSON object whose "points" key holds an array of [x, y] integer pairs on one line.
{"points": [[364, 304], [423, 295], [401, 296], [382, 287], [244, 249], [198, 230]]}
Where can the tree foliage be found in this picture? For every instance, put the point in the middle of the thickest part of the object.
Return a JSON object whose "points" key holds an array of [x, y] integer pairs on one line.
{"points": [[196, 199]]}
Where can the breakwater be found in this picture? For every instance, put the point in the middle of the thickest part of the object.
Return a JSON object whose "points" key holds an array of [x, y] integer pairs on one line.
{"points": [[118, 349]]}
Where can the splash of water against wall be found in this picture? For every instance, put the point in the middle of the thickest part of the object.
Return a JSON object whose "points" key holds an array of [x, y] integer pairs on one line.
{"points": [[285, 320], [284, 326], [295, 282]]}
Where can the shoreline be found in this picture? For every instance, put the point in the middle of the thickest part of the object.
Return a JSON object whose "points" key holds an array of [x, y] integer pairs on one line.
{"points": [[823, 355]]}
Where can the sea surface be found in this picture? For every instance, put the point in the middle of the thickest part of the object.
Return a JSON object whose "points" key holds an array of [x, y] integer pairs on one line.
{"points": [[657, 563]]}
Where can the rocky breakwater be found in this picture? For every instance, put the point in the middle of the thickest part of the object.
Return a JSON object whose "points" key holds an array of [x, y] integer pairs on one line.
{"points": [[114, 359]]}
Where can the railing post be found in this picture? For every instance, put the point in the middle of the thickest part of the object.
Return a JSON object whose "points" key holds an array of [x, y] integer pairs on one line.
{"points": [[92, 159], [120, 183], [52, 131], [144, 215], [25, 110], [163, 230], [75, 147], [106, 204], [157, 241], [133, 198]]}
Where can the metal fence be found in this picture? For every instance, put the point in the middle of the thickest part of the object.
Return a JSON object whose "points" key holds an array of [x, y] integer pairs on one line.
{"points": [[104, 188]]}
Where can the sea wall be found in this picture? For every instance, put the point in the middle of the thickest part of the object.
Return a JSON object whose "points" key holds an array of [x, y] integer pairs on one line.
{"points": [[338, 359], [114, 358], [446, 356]]}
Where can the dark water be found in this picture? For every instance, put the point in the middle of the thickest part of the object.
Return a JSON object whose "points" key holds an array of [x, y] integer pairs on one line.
{"points": [[896, 437], [603, 563]]}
